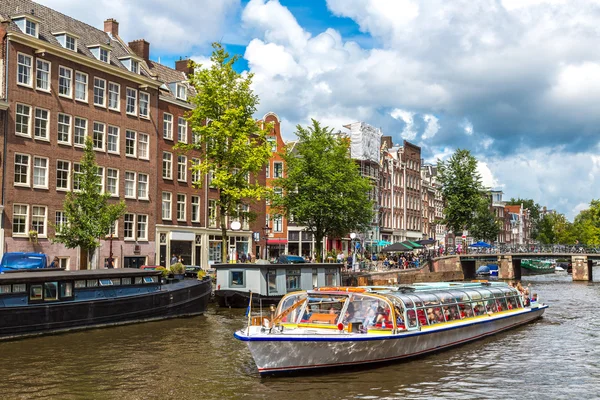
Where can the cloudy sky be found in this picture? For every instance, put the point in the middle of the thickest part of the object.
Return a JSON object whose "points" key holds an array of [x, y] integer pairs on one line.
{"points": [[517, 82]]}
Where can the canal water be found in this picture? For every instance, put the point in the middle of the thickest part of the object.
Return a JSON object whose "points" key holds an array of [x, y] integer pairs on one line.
{"points": [[557, 357]]}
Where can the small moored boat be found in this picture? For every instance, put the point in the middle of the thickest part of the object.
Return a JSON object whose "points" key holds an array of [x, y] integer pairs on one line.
{"points": [[43, 301], [338, 326], [537, 267]]}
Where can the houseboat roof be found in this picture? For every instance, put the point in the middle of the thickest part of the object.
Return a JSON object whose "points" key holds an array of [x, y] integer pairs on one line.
{"points": [[37, 275], [286, 266]]}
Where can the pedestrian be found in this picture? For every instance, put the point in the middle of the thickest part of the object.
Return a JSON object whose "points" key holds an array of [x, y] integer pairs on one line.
{"points": [[173, 259], [55, 263], [110, 262]]}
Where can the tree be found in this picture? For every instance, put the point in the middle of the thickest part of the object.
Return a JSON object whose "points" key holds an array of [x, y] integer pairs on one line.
{"points": [[89, 216], [461, 189], [554, 228], [323, 189], [485, 224], [587, 224], [534, 213], [233, 146]]}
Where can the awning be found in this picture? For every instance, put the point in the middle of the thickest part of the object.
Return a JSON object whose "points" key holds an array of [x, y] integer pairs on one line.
{"points": [[277, 241]]}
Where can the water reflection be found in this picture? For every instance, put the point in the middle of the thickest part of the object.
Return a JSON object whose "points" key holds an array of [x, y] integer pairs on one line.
{"points": [[556, 357]]}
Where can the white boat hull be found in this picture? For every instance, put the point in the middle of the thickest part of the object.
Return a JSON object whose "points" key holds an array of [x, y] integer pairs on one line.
{"points": [[289, 351]]}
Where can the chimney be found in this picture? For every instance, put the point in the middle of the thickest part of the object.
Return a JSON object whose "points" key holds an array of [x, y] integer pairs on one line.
{"points": [[141, 48], [182, 66], [111, 26]]}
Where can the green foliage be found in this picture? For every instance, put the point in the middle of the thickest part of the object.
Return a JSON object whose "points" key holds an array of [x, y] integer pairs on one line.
{"points": [[164, 271], [586, 226], [233, 146], [534, 213], [461, 189], [201, 274], [177, 268], [555, 228], [323, 189], [485, 224], [88, 213]]}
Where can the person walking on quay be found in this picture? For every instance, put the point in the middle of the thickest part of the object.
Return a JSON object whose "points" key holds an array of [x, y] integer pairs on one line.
{"points": [[55, 263], [174, 259]]}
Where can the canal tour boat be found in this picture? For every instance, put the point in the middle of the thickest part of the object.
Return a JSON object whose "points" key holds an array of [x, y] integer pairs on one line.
{"points": [[537, 267], [347, 326], [43, 301]]}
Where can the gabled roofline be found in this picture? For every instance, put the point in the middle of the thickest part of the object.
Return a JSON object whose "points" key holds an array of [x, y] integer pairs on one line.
{"points": [[39, 46]]}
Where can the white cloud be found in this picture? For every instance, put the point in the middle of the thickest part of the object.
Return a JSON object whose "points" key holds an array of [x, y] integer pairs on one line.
{"points": [[409, 132], [170, 27], [432, 126], [468, 127], [487, 177]]}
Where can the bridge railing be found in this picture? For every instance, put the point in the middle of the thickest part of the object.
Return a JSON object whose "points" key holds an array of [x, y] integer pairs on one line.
{"points": [[533, 248]]}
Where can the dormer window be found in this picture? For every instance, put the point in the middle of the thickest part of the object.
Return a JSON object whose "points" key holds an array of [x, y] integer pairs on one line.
{"points": [[101, 52], [181, 92], [67, 40], [131, 64], [28, 24]]}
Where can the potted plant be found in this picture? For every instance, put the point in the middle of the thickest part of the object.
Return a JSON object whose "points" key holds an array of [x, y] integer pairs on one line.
{"points": [[201, 274], [164, 272], [33, 236], [178, 270]]}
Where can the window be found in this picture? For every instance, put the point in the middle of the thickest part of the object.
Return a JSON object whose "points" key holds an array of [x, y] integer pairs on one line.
{"points": [[63, 171], [39, 220], [64, 129], [100, 174], [268, 170], [20, 215], [112, 181], [42, 74], [166, 205], [144, 105], [168, 126], [24, 63], [80, 132], [131, 105], [104, 55], [112, 140], [60, 220], [40, 172], [143, 186], [181, 92], [142, 227], [98, 137], [65, 77], [23, 120], [114, 90], [128, 226], [167, 165], [31, 28], [273, 142], [81, 89], [292, 279], [36, 292], [237, 279], [99, 92], [130, 143], [195, 208], [182, 168], [130, 185], [182, 130], [277, 170], [77, 176], [195, 170], [21, 169], [212, 213], [143, 143], [41, 124], [181, 207], [70, 43], [277, 223], [135, 66]]}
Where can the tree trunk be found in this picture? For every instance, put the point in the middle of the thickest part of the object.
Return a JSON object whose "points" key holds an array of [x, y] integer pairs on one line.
{"points": [[319, 248], [91, 253], [83, 258]]}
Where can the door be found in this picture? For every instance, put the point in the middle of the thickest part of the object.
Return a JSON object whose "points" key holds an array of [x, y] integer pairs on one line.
{"points": [[133, 262]]}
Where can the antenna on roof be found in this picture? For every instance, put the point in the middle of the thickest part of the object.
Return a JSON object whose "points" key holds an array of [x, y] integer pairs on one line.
{"points": [[32, 11]]}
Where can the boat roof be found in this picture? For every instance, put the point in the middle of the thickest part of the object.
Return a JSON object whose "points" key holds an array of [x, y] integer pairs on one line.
{"points": [[287, 266], [415, 287], [37, 275]]}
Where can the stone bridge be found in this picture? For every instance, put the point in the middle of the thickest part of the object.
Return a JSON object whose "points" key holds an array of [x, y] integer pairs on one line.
{"points": [[509, 265]]}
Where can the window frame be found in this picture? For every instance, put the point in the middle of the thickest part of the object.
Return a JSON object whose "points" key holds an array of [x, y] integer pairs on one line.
{"points": [[75, 128], [85, 85], [182, 137], [46, 173], [146, 143], [195, 205], [129, 90], [67, 37], [70, 130], [181, 168], [169, 169], [167, 133], [68, 173], [103, 91], [109, 135], [29, 74], [118, 98], [147, 183], [45, 138], [25, 232], [36, 28], [21, 165], [44, 221], [133, 229], [48, 75], [178, 87], [133, 184], [169, 215], [22, 115], [69, 80], [137, 227], [116, 179], [180, 209], [94, 131], [141, 94]]}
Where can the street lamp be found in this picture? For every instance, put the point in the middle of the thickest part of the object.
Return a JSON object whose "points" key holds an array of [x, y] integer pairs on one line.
{"points": [[352, 237], [235, 226], [267, 230]]}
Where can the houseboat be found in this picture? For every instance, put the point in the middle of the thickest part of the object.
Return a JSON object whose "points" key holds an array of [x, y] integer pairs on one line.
{"points": [[38, 301], [537, 267], [346, 326], [269, 282]]}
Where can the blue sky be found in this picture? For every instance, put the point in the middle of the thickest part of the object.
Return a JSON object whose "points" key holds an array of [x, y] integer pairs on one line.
{"points": [[517, 82]]}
